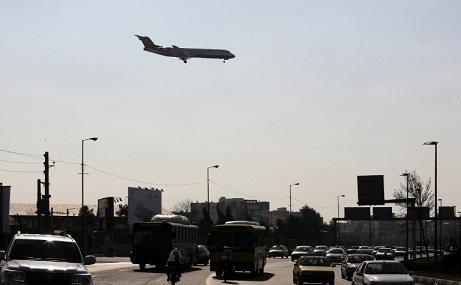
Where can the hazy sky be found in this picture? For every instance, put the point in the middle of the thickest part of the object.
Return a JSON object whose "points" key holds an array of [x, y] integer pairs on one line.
{"points": [[319, 92]]}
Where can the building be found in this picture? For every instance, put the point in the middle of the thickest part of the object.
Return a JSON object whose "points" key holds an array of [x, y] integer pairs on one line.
{"points": [[240, 208], [281, 214]]}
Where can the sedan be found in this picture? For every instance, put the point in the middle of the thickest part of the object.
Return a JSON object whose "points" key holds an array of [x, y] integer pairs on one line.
{"points": [[400, 251], [320, 250], [351, 263], [278, 251], [300, 251], [336, 255], [313, 269], [381, 272], [385, 253]]}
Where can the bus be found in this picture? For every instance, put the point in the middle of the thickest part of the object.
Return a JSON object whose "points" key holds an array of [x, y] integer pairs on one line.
{"points": [[153, 241], [248, 241]]}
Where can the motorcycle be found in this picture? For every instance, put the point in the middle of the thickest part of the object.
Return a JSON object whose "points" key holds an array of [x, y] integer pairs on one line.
{"points": [[174, 277]]}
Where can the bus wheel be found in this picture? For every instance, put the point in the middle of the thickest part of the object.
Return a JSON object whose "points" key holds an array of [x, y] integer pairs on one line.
{"points": [[142, 266], [261, 271]]}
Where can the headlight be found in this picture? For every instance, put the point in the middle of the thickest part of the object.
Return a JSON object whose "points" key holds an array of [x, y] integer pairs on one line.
{"points": [[14, 277], [81, 279]]}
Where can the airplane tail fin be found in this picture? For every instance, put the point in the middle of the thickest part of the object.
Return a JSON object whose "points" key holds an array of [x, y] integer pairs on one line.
{"points": [[146, 41]]}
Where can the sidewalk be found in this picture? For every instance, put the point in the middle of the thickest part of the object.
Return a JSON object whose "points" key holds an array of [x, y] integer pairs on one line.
{"points": [[426, 280]]}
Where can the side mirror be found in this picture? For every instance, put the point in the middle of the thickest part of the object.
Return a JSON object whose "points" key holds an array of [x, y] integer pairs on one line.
{"points": [[411, 272], [2, 255], [358, 273], [89, 259], [333, 265]]}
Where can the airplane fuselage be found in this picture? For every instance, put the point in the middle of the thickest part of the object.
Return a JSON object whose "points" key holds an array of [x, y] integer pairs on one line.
{"points": [[184, 53], [191, 52]]}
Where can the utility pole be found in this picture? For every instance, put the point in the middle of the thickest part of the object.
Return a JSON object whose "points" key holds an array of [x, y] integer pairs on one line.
{"points": [[46, 197], [39, 206]]}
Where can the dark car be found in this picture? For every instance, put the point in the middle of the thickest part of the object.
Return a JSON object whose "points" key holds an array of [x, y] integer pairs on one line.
{"points": [[203, 255], [320, 250], [336, 255], [300, 251], [278, 251], [351, 263], [385, 253]]}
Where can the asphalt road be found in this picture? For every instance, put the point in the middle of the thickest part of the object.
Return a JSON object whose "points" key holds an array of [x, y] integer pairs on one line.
{"points": [[278, 271]]}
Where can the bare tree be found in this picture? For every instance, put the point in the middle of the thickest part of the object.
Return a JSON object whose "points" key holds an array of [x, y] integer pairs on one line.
{"points": [[182, 207], [418, 189], [423, 195]]}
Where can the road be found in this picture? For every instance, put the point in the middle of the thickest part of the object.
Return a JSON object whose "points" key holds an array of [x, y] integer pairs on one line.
{"points": [[278, 271]]}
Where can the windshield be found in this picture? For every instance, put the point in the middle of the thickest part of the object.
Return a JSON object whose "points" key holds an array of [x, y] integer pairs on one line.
{"points": [[386, 250], [303, 248], [359, 258], [152, 236], [385, 268], [236, 240], [336, 251], [45, 250], [314, 261]]}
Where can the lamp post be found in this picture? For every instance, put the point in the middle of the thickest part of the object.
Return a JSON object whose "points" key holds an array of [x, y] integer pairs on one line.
{"points": [[406, 174], [440, 228], [295, 184], [434, 143], [83, 194], [337, 197], [208, 186]]}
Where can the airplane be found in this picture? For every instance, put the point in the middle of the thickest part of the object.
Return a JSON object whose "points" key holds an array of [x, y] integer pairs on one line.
{"points": [[184, 53]]}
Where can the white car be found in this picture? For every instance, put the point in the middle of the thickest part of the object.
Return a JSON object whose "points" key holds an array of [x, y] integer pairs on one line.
{"points": [[378, 272]]}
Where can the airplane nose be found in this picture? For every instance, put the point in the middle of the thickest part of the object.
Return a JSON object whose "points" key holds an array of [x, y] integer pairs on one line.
{"points": [[231, 55]]}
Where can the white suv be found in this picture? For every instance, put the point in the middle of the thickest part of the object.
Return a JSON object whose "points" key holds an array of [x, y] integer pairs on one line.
{"points": [[45, 259]]}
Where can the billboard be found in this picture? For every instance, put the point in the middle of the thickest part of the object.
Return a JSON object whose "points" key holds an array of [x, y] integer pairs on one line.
{"points": [[5, 210], [447, 212], [357, 213], [382, 213], [370, 190], [106, 207], [143, 204]]}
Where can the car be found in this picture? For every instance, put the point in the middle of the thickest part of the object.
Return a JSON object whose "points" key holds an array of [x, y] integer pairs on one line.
{"points": [[375, 249], [313, 269], [364, 249], [44, 259], [351, 262], [336, 255], [300, 251], [203, 255], [278, 251], [383, 272], [320, 250], [400, 251], [385, 253]]}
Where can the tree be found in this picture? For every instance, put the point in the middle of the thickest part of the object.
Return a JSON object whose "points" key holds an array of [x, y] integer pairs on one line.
{"points": [[311, 223], [122, 210], [183, 207], [419, 190]]}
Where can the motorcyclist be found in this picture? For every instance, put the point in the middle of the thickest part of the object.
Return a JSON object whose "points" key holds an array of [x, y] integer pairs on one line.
{"points": [[174, 263]]}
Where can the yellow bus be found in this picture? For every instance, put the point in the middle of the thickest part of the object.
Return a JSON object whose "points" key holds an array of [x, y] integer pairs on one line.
{"points": [[248, 241]]}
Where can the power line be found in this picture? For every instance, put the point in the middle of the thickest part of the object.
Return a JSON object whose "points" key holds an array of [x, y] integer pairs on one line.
{"points": [[19, 162], [144, 182], [240, 193], [29, 155], [20, 171]]}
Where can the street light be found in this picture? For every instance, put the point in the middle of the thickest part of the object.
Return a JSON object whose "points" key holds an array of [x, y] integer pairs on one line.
{"points": [[295, 184], [337, 197], [208, 185], [440, 227], [434, 143], [406, 174], [83, 193]]}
